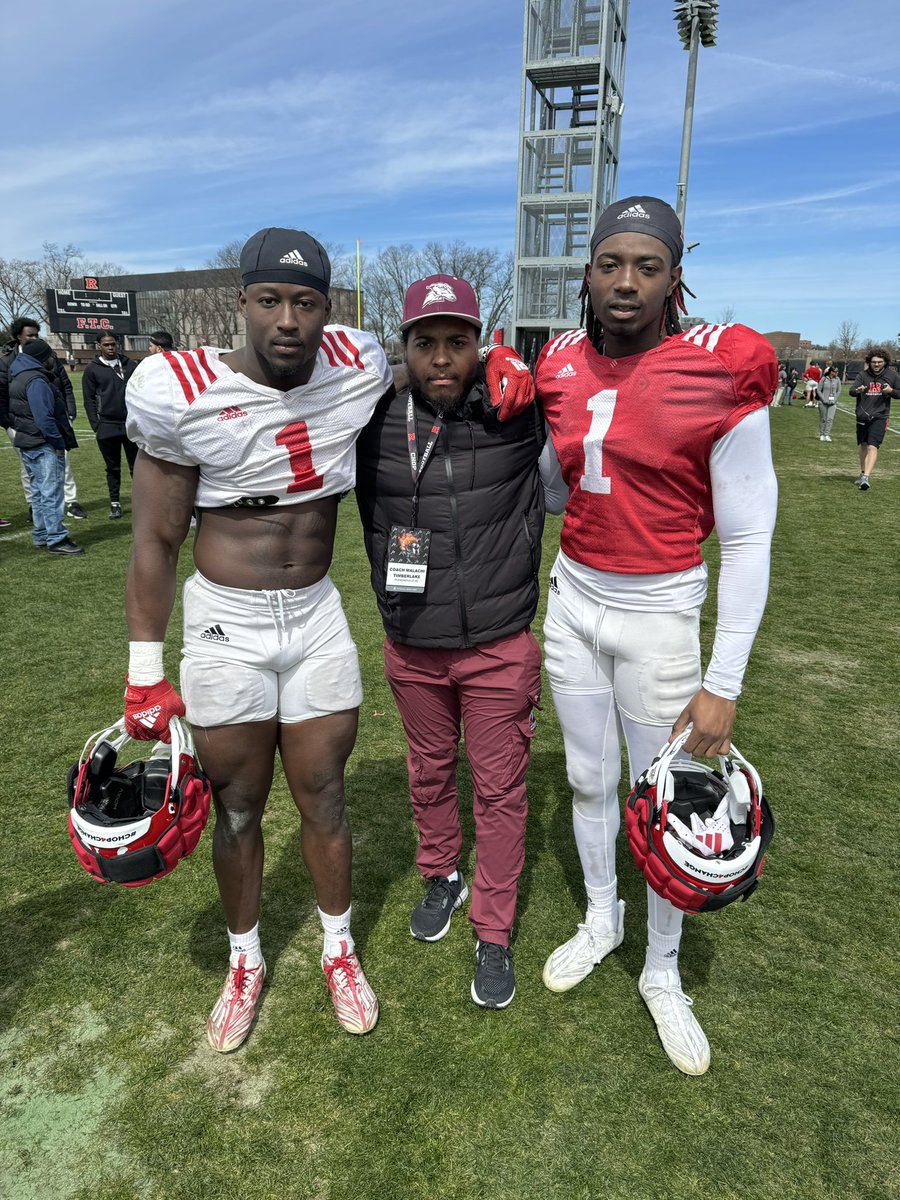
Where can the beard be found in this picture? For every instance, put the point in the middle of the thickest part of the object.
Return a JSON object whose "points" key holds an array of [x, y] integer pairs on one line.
{"points": [[442, 401]]}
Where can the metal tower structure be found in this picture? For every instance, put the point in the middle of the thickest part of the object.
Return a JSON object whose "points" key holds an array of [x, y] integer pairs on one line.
{"points": [[573, 62]]}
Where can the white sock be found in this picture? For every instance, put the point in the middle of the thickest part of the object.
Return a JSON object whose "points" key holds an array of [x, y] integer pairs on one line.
{"points": [[246, 944], [453, 876], [338, 938], [662, 951], [602, 908]]}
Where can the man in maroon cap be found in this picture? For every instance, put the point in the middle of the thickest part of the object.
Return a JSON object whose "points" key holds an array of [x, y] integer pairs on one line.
{"points": [[453, 510]]}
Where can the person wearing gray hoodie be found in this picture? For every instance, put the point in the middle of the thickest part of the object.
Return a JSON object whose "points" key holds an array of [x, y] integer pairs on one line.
{"points": [[827, 391]]}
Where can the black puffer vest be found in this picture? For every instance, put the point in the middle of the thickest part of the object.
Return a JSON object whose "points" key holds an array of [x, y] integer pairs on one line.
{"points": [[28, 436], [481, 497]]}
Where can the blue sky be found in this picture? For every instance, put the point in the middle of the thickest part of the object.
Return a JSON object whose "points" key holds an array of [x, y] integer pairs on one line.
{"points": [[157, 132]]}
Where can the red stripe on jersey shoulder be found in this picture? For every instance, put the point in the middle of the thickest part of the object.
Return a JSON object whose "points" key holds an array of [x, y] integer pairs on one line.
{"points": [[204, 363], [328, 351], [351, 348], [178, 370], [186, 366], [569, 338], [337, 350]]}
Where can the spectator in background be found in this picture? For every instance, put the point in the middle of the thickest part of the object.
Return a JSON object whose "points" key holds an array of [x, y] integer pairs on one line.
{"points": [[103, 391], [812, 375], [25, 329], [872, 389], [792, 378], [779, 391], [161, 342], [828, 391], [42, 435]]}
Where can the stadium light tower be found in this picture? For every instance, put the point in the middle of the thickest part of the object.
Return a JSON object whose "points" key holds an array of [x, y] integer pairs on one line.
{"points": [[696, 20]]}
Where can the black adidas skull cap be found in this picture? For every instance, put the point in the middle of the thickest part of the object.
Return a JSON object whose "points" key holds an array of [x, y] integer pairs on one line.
{"points": [[285, 256], [641, 214]]}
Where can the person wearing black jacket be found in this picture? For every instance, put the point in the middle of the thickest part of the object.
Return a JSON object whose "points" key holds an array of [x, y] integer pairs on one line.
{"points": [[452, 508], [42, 435], [25, 329], [872, 390], [103, 388]]}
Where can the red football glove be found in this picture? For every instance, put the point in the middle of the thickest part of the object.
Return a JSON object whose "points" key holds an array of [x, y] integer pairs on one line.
{"points": [[509, 382], [149, 708]]}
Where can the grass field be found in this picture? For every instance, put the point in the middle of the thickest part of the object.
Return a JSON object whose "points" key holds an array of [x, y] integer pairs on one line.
{"points": [[108, 1090]]}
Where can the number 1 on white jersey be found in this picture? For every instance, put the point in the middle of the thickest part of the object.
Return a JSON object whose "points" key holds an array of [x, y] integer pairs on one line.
{"points": [[600, 406]]}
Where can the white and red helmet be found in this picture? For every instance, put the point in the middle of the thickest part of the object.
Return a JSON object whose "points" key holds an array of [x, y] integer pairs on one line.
{"points": [[132, 824], [698, 836]]}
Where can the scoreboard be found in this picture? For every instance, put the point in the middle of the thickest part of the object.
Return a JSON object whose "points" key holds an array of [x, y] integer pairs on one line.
{"points": [[89, 310]]}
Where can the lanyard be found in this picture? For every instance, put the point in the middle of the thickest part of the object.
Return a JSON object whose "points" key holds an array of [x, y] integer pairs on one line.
{"points": [[416, 464]]}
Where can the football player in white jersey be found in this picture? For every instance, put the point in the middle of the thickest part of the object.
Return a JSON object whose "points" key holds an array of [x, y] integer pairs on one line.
{"points": [[660, 436], [261, 442]]}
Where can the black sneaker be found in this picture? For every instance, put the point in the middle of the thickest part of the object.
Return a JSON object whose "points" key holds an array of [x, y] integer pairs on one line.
{"points": [[115, 510], [494, 984], [430, 919], [65, 547], [75, 511], [863, 483]]}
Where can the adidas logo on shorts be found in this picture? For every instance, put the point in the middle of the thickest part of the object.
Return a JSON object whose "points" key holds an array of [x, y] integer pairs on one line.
{"points": [[568, 372], [215, 633], [294, 259]]}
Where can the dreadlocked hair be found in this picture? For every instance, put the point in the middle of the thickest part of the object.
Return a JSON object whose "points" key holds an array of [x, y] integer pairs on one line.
{"points": [[670, 323]]}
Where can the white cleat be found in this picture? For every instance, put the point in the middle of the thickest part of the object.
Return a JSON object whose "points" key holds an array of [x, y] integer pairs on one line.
{"points": [[679, 1030], [576, 958]]}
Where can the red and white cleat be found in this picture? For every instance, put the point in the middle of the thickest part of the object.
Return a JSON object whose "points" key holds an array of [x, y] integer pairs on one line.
{"points": [[230, 1020], [354, 1001]]}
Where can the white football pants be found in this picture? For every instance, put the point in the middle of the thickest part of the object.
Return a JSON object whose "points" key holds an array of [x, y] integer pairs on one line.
{"points": [[612, 673]]}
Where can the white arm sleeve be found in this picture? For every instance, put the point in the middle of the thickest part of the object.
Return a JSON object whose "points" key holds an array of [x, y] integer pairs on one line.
{"points": [[555, 491], [745, 498]]}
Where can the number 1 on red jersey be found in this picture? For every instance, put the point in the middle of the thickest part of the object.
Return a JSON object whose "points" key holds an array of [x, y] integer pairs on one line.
{"points": [[295, 439], [600, 406]]}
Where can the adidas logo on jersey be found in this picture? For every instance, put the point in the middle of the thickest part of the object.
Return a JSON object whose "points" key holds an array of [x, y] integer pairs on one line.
{"points": [[636, 210], [568, 372], [215, 633], [228, 414], [294, 258]]}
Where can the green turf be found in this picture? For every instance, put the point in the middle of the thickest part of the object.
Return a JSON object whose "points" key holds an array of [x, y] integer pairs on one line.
{"points": [[109, 1092]]}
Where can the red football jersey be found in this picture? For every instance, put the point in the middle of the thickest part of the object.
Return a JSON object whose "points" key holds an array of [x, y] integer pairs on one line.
{"points": [[634, 435]]}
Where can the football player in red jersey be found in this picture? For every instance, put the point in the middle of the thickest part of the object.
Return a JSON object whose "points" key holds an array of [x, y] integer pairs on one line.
{"points": [[660, 437], [262, 442]]}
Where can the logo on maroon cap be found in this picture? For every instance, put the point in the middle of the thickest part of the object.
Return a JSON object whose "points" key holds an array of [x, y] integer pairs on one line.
{"points": [[440, 294]]}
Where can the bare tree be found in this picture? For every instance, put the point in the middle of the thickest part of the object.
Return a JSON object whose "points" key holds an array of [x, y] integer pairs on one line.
{"points": [[727, 315], [389, 274], [24, 282], [845, 343]]}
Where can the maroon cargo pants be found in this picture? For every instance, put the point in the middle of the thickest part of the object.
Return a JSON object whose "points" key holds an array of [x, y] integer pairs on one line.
{"points": [[491, 689]]}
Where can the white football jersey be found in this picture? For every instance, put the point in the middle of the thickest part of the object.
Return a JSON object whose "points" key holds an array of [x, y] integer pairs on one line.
{"points": [[251, 441]]}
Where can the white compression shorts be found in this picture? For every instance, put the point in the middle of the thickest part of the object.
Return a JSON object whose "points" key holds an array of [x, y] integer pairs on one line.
{"points": [[252, 655]]}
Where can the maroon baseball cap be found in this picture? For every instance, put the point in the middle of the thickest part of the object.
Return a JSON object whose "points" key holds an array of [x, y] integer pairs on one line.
{"points": [[440, 296]]}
